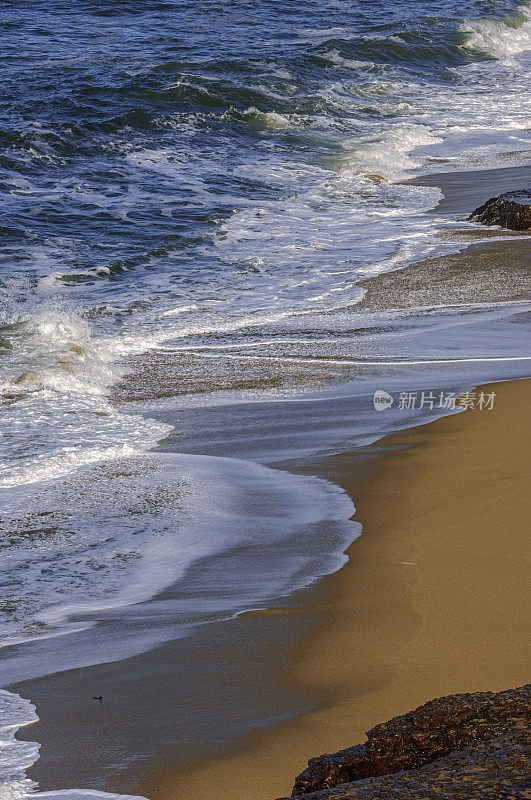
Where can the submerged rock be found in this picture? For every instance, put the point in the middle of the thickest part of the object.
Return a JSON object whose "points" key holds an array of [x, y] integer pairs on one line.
{"points": [[511, 210], [465, 746]]}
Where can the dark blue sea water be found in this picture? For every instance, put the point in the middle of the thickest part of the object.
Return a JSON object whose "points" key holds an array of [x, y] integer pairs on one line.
{"points": [[191, 193]]}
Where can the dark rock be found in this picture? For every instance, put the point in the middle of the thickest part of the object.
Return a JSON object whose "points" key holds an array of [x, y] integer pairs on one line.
{"points": [[465, 745], [511, 210]]}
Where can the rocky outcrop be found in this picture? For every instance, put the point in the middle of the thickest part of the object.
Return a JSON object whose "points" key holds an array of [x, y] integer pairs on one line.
{"points": [[511, 210], [462, 746]]}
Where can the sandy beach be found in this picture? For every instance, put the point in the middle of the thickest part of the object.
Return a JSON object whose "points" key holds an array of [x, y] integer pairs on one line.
{"points": [[431, 602]]}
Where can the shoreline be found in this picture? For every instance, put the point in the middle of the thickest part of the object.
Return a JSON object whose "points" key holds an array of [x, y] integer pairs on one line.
{"points": [[388, 638], [157, 711], [234, 235]]}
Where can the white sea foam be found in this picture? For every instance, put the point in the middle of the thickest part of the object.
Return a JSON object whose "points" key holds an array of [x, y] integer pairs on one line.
{"points": [[323, 219], [389, 153], [57, 372], [105, 536], [116, 533], [55, 344], [266, 119], [502, 38], [179, 310]]}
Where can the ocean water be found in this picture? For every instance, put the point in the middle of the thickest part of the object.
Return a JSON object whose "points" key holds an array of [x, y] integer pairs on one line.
{"points": [[191, 195]]}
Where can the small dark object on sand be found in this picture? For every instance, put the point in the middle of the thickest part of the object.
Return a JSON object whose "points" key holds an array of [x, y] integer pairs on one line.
{"points": [[511, 210]]}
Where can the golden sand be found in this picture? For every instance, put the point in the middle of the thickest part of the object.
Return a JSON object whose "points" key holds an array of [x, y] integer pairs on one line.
{"points": [[434, 599]]}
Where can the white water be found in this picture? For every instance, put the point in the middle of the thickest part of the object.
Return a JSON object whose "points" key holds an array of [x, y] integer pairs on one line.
{"points": [[85, 460], [116, 534], [502, 39]]}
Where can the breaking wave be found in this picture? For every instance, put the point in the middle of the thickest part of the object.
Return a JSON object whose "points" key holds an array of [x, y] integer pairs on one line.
{"points": [[501, 38]]}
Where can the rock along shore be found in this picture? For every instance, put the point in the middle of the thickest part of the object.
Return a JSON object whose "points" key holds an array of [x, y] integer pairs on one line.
{"points": [[511, 210], [461, 746]]}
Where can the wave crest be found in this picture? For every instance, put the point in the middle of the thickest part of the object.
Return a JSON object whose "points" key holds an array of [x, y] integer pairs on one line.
{"points": [[501, 38]]}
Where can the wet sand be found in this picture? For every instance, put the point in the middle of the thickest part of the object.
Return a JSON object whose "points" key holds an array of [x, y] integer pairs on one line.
{"points": [[463, 191], [434, 598], [475, 275], [374, 640]]}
